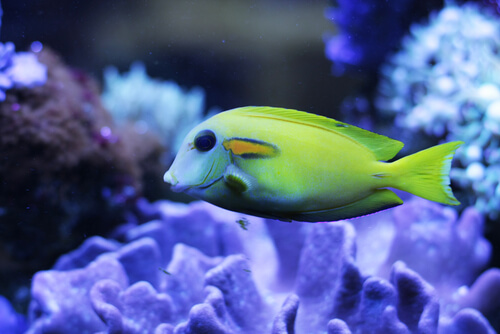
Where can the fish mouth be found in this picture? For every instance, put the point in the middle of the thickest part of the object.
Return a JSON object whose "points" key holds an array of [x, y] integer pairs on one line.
{"points": [[175, 186], [179, 188], [169, 177]]}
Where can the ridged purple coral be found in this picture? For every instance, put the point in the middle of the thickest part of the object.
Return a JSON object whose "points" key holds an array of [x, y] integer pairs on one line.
{"points": [[447, 250], [155, 282]]}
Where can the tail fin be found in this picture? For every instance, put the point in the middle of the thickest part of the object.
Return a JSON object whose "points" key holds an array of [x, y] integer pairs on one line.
{"points": [[426, 173]]}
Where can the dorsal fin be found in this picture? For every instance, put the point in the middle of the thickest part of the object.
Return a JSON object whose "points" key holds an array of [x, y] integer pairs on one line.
{"points": [[383, 147]]}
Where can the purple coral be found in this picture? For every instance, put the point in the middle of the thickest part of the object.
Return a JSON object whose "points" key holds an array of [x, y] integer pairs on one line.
{"points": [[60, 299], [138, 309], [11, 322], [369, 30], [449, 251], [158, 284]]}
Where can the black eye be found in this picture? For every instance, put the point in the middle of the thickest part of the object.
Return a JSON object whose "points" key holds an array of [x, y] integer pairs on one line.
{"points": [[204, 140]]}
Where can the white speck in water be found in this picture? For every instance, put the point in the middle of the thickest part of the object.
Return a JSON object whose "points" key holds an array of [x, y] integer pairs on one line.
{"points": [[474, 153], [493, 111], [105, 131], [475, 171], [36, 46]]}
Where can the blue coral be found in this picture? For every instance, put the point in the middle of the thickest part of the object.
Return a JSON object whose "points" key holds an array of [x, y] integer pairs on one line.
{"points": [[228, 280], [445, 83], [11, 322], [19, 70]]}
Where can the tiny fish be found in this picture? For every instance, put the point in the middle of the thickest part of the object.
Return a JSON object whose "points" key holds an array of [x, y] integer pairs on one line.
{"points": [[243, 222], [295, 166], [164, 271]]}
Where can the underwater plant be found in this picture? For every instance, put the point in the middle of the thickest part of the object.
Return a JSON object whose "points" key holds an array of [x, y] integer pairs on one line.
{"points": [[196, 270], [158, 106], [445, 83], [369, 30]]}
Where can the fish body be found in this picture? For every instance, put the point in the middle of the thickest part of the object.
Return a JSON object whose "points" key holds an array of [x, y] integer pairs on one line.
{"points": [[292, 165]]}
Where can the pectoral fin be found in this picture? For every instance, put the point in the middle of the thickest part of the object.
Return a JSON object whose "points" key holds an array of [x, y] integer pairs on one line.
{"points": [[380, 200], [238, 180]]}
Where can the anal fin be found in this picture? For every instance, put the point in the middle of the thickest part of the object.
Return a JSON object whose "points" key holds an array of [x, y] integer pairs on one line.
{"points": [[381, 199]]}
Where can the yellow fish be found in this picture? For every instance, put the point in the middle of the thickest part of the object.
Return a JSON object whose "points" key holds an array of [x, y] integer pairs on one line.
{"points": [[291, 165]]}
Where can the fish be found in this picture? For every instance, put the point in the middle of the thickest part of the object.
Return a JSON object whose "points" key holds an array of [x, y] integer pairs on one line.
{"points": [[243, 222], [293, 165]]}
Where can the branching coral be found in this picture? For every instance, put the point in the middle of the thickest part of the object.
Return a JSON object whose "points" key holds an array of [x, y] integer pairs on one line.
{"points": [[446, 82], [156, 283], [152, 105]]}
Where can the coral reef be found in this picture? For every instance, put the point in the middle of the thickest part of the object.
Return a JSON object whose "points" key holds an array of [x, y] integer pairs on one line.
{"points": [[369, 30], [444, 82], [69, 172], [196, 270], [161, 107]]}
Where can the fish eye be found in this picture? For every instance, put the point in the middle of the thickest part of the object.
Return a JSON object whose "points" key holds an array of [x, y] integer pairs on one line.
{"points": [[204, 141]]}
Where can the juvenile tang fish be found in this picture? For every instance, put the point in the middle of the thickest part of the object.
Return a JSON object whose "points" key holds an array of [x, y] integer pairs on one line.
{"points": [[292, 165]]}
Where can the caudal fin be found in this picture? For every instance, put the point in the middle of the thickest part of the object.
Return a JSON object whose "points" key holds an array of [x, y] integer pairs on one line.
{"points": [[426, 173]]}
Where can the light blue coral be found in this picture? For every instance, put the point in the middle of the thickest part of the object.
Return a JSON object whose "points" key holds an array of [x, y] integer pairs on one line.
{"points": [[19, 69], [162, 107], [446, 82]]}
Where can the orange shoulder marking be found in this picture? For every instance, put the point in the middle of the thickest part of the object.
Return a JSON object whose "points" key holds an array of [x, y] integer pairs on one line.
{"points": [[250, 148]]}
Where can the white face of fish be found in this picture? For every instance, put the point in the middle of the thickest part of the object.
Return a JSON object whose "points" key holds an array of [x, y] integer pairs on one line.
{"points": [[200, 162]]}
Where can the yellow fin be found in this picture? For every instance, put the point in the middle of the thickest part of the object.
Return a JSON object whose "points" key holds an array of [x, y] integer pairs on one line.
{"points": [[381, 199], [383, 147], [426, 173]]}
